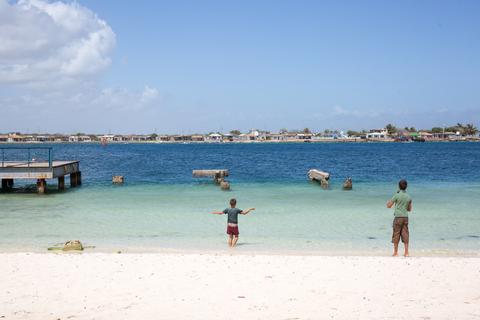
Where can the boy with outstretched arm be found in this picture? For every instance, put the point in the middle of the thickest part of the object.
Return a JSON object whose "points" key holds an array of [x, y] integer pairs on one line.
{"points": [[232, 223]]}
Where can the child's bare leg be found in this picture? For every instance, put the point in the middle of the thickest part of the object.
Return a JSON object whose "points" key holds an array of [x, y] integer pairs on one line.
{"points": [[235, 239], [406, 249], [395, 249], [230, 240]]}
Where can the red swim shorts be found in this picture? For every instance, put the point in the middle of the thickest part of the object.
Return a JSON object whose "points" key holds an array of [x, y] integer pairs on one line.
{"points": [[232, 230]]}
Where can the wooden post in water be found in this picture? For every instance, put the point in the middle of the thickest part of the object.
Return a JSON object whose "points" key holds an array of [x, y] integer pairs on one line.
{"points": [[7, 184], [61, 183], [79, 178], [41, 186], [73, 180]]}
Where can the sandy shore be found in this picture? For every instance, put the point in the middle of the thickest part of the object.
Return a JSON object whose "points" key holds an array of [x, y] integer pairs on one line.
{"points": [[224, 286]]}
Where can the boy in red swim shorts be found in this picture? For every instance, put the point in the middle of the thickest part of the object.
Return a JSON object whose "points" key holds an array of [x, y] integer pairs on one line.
{"points": [[232, 224]]}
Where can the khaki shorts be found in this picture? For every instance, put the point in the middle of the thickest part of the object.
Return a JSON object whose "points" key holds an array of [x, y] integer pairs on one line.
{"points": [[400, 230]]}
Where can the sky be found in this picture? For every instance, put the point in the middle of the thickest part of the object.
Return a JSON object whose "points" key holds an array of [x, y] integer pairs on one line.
{"points": [[201, 66]]}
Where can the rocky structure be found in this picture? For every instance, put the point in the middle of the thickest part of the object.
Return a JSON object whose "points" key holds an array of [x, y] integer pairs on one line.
{"points": [[118, 179], [73, 245], [218, 176], [225, 185], [319, 176], [347, 184]]}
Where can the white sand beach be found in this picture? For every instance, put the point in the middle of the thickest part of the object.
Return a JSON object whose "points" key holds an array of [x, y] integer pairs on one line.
{"points": [[236, 286]]}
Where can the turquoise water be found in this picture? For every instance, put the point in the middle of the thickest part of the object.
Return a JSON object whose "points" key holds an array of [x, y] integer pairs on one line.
{"points": [[293, 215]]}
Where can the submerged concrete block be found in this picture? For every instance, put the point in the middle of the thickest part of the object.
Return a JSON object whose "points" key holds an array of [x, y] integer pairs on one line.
{"points": [[118, 179], [348, 184], [225, 185]]}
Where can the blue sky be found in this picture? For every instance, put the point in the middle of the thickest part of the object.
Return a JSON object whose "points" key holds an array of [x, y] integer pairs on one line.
{"points": [[227, 65]]}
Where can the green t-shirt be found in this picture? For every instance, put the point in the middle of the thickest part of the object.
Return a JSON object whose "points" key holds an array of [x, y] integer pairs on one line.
{"points": [[232, 214], [401, 200]]}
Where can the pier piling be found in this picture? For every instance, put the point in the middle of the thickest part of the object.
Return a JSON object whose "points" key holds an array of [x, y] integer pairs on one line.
{"points": [[7, 184], [41, 186], [61, 183], [73, 180]]}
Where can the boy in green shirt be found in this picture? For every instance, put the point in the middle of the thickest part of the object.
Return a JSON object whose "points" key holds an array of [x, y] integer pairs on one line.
{"points": [[403, 205], [232, 222]]}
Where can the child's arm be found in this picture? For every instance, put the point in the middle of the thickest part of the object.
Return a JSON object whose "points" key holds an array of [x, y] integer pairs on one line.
{"points": [[392, 201], [217, 212], [409, 206], [247, 211]]}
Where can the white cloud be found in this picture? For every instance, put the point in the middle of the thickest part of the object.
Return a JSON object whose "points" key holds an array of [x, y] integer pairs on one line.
{"points": [[88, 108], [121, 99], [51, 42], [51, 56], [339, 111]]}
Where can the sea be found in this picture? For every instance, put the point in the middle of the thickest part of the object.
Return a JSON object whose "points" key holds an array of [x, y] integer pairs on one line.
{"points": [[161, 207]]}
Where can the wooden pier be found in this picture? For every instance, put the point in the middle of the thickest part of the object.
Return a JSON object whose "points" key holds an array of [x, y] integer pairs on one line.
{"points": [[39, 170]]}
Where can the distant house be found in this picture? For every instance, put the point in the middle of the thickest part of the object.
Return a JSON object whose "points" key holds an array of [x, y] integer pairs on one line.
{"points": [[214, 137], [59, 138], [106, 138], [377, 134], [290, 136], [3, 137], [73, 138], [198, 138], [181, 138], [243, 137], [138, 137], [426, 135], [304, 136], [29, 139], [162, 138], [79, 138], [43, 138], [228, 137], [277, 137], [13, 137], [447, 135]]}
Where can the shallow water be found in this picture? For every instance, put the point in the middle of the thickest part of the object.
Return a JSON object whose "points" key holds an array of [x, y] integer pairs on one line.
{"points": [[162, 206]]}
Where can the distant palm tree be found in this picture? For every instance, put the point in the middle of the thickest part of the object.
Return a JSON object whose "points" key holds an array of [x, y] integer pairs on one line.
{"points": [[391, 129], [470, 130]]}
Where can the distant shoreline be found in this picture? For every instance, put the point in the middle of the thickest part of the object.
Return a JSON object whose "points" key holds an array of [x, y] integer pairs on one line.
{"points": [[243, 142]]}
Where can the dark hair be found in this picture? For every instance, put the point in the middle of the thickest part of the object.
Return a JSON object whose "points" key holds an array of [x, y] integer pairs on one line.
{"points": [[402, 184], [233, 201]]}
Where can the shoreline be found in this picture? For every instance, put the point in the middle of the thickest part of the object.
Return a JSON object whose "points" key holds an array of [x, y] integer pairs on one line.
{"points": [[211, 286], [239, 251], [237, 142]]}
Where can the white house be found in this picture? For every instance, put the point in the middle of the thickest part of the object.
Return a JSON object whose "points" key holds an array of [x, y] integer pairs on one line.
{"points": [[377, 134], [214, 137], [106, 138]]}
